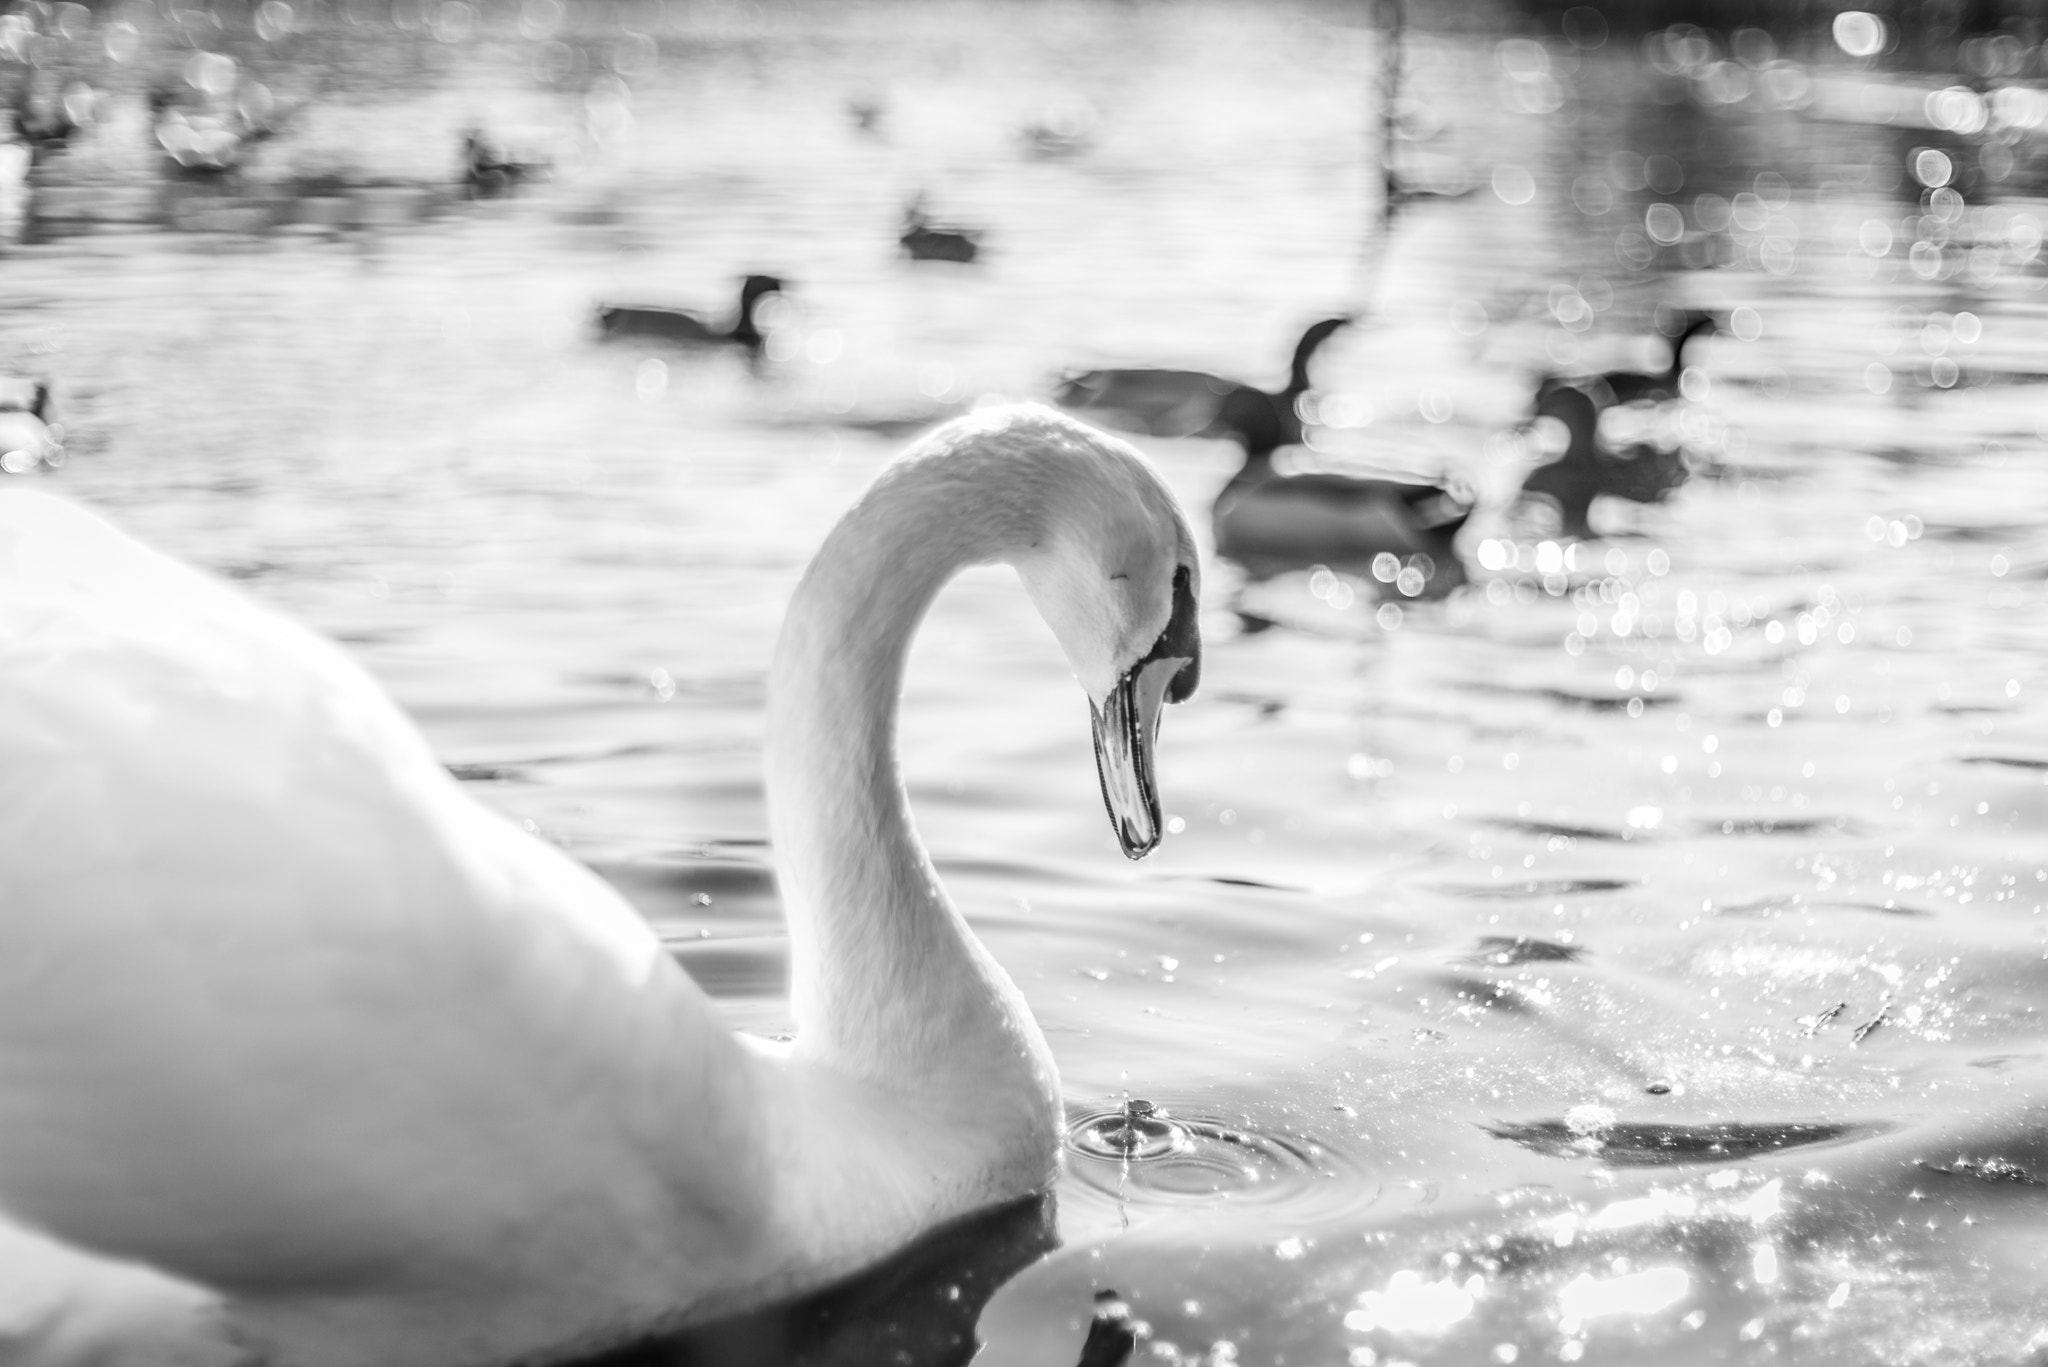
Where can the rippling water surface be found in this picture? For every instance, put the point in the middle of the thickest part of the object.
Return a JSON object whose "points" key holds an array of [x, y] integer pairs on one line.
{"points": [[1640, 950]]}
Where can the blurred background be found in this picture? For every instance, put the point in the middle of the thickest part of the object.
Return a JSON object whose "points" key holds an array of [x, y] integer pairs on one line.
{"points": [[1602, 909]]}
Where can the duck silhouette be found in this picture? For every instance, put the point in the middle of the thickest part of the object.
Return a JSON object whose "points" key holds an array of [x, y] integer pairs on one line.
{"points": [[1267, 522], [1271, 523], [866, 114], [1065, 128], [487, 172], [46, 122], [1614, 387], [1588, 469], [1195, 403], [663, 323], [922, 240], [210, 142]]}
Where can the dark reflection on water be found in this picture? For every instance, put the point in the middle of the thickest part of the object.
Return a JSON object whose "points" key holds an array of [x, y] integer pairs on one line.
{"points": [[1502, 951], [1652, 1145], [1552, 887], [919, 1307]]}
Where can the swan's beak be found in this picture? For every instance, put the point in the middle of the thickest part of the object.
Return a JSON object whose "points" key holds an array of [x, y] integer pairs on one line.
{"points": [[1126, 727]]}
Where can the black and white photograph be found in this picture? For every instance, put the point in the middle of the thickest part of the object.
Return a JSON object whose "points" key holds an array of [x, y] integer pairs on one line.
{"points": [[1023, 683]]}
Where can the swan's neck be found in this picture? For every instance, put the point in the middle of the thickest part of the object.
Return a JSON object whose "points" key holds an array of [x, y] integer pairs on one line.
{"points": [[886, 981]]}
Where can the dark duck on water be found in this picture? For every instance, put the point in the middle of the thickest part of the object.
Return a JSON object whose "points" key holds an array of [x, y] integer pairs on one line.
{"points": [[1190, 403], [1588, 469], [1269, 522], [1614, 387], [680, 326], [488, 173], [923, 240]]}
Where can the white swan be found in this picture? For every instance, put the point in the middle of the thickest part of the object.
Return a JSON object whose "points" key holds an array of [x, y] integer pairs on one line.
{"points": [[308, 1060]]}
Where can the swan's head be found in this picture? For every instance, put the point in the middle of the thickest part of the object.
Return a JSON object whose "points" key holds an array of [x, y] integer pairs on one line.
{"points": [[1109, 562]]}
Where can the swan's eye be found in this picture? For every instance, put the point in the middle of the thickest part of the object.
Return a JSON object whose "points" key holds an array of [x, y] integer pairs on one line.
{"points": [[1182, 639]]}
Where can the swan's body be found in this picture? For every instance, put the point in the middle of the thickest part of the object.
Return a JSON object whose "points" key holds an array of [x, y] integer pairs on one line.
{"points": [[308, 1060], [1589, 469], [685, 328]]}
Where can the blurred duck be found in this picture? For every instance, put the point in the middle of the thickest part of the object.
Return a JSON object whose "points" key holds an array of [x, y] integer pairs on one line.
{"points": [[487, 172], [922, 240], [1588, 469], [1265, 521], [1271, 523], [1615, 387], [45, 122], [206, 143], [689, 329], [1191, 403], [865, 114], [27, 437], [1064, 129]]}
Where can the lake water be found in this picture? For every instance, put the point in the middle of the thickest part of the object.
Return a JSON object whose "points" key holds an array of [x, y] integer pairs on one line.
{"points": [[1640, 951]]}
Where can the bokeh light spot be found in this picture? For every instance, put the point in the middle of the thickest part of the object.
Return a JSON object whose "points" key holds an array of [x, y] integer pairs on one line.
{"points": [[1859, 33]]}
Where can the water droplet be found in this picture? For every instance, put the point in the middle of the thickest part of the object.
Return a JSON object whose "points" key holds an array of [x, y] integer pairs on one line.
{"points": [[1143, 1155]]}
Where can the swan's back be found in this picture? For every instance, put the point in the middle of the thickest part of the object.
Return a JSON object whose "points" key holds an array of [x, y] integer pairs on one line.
{"points": [[280, 1008]]}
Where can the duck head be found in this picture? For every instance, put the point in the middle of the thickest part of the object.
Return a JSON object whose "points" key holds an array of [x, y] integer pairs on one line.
{"points": [[24, 395], [1566, 423], [1305, 350], [754, 287], [746, 329], [1682, 326], [1112, 567]]}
